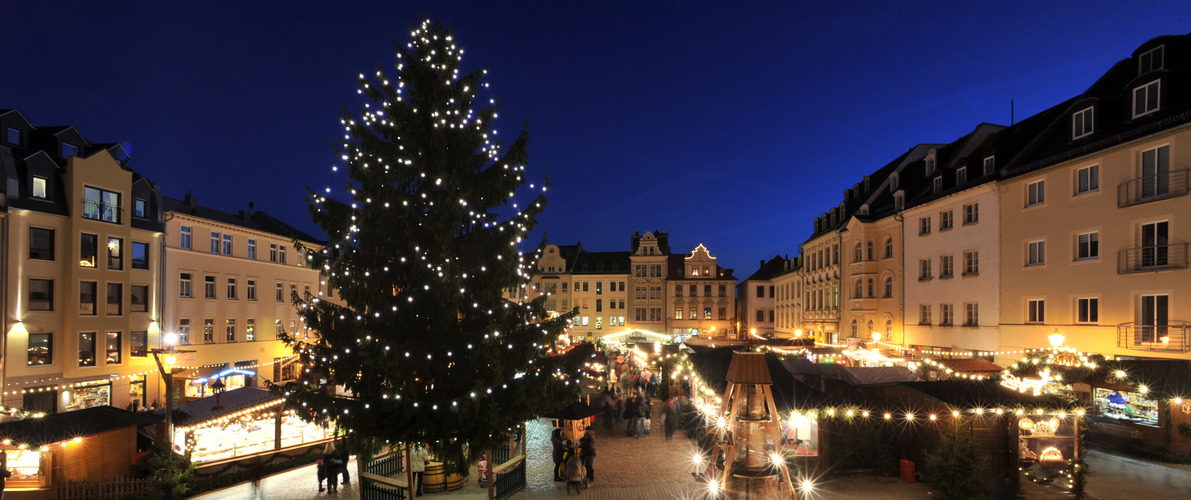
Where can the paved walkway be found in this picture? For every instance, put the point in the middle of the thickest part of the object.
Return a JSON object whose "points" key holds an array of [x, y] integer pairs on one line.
{"points": [[654, 468]]}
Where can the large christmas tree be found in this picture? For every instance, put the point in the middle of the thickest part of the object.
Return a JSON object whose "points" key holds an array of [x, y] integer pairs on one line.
{"points": [[424, 342]]}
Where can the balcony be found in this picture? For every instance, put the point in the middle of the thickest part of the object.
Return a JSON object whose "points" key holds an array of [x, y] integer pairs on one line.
{"points": [[1152, 188], [106, 212], [1152, 258], [1154, 337]]}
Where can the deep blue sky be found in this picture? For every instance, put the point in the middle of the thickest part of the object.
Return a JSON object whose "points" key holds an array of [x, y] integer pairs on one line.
{"points": [[727, 126]]}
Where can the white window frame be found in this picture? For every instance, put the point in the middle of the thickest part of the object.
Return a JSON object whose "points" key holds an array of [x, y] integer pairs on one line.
{"points": [[946, 220], [972, 263], [1147, 90], [185, 238], [1083, 122], [1146, 61], [1036, 311], [1089, 240], [1087, 310], [1036, 253], [1087, 180], [1036, 193], [923, 226], [990, 164], [971, 213]]}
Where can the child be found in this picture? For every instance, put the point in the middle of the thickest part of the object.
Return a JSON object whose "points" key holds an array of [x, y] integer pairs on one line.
{"points": [[576, 473]]}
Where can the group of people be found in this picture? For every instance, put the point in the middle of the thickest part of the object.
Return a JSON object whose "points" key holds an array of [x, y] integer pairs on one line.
{"points": [[333, 463], [574, 464]]}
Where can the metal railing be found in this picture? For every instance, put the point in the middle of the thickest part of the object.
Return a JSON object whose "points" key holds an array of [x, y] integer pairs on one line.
{"points": [[97, 210], [1152, 258], [1152, 188], [509, 480], [1154, 337]]}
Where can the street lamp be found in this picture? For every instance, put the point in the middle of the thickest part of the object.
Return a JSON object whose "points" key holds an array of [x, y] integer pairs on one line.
{"points": [[1056, 339], [167, 371]]}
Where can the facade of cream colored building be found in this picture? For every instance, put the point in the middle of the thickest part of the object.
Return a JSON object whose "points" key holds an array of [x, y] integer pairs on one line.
{"points": [[821, 281]]}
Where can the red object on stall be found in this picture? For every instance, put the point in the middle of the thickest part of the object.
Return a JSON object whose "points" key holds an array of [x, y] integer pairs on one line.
{"points": [[907, 470]]}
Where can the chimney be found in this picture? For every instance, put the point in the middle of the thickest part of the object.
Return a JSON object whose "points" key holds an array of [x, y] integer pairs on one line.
{"points": [[190, 200], [244, 215]]}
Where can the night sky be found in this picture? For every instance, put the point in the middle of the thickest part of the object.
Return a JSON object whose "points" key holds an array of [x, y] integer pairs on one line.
{"points": [[728, 126]]}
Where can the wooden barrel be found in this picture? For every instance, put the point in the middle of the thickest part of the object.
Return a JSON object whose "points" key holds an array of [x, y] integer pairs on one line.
{"points": [[455, 481], [433, 480]]}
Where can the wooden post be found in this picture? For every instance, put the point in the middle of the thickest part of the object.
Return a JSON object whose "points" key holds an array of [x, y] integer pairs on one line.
{"points": [[409, 471], [277, 428], [491, 475]]}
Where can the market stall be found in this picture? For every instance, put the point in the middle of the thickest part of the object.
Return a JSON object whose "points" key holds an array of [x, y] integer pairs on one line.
{"points": [[241, 422]]}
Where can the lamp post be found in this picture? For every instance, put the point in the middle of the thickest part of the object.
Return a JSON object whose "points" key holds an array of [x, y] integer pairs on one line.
{"points": [[167, 371], [1056, 339]]}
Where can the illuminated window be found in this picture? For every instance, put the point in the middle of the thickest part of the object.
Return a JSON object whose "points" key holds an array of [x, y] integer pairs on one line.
{"points": [[88, 250], [39, 187]]}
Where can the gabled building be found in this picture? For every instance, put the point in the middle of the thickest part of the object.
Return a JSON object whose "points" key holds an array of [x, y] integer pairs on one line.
{"points": [[788, 284], [82, 268], [757, 298]]}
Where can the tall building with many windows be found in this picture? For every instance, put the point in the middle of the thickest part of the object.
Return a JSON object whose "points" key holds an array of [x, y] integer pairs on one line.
{"points": [[83, 238]]}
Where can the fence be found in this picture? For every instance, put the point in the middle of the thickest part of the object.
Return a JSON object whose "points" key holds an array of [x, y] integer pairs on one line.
{"points": [[110, 489]]}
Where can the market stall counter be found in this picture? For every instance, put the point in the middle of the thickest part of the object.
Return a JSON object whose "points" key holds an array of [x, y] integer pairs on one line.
{"points": [[238, 423]]}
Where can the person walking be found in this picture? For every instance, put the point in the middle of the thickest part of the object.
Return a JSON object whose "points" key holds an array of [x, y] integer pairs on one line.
{"points": [[630, 416], [321, 470], [331, 468], [556, 440], [256, 471], [344, 457], [671, 417], [417, 465], [575, 472], [643, 409], [587, 453]]}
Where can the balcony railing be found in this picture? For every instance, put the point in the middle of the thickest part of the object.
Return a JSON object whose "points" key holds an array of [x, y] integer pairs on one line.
{"points": [[1152, 188], [106, 212], [1152, 258], [1154, 337]]}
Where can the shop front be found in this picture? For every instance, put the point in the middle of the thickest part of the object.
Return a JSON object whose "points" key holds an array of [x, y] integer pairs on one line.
{"points": [[241, 422], [87, 395]]}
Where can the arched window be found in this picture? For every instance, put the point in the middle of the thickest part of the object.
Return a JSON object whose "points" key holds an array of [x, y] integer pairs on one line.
{"points": [[854, 326], [871, 255], [859, 290], [870, 327], [888, 248], [888, 287], [889, 329], [859, 257], [871, 293]]}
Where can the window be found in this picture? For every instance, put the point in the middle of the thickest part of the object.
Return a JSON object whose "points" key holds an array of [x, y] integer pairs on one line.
{"points": [[184, 243], [227, 244], [281, 293], [252, 249], [250, 329], [278, 328], [41, 295], [706, 313], [924, 225], [1087, 246], [971, 213], [990, 165], [115, 299], [677, 313], [961, 175], [13, 136], [924, 269], [888, 287], [946, 266], [947, 317], [1036, 311], [112, 348], [115, 253], [1155, 172], [1152, 318], [893, 180], [41, 243], [281, 259], [1036, 193], [924, 314], [930, 164], [214, 242], [184, 331], [87, 349], [138, 298], [694, 291], [138, 208], [899, 201], [888, 248], [1145, 98], [39, 187], [88, 250], [1087, 310], [41, 349], [1150, 60], [771, 290], [858, 289], [231, 288], [1155, 249], [101, 204], [858, 255], [760, 291], [723, 289], [946, 220], [88, 290], [760, 315], [184, 289], [138, 343], [1035, 253], [971, 263], [231, 330], [1087, 179], [971, 314], [251, 290], [1082, 123], [678, 290], [208, 331], [937, 184], [208, 287]]}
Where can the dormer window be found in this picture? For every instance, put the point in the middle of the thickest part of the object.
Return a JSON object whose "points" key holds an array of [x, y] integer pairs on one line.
{"points": [[893, 180], [1082, 123], [938, 184], [961, 175], [39, 187], [863, 210], [69, 150], [990, 164], [1150, 61], [930, 164], [1145, 98], [899, 201], [13, 136]]}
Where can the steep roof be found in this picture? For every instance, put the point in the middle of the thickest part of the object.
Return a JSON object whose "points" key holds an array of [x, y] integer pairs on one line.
{"points": [[769, 269], [202, 410], [65, 426], [259, 220]]}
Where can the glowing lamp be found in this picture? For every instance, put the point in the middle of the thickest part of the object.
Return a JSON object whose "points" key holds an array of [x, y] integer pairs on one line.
{"points": [[876, 336], [170, 339], [1056, 339]]}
